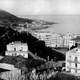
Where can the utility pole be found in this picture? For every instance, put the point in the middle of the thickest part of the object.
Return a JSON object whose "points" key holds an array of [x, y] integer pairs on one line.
{"points": [[27, 27], [48, 58]]}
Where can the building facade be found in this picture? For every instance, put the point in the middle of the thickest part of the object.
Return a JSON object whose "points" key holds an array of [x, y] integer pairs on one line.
{"points": [[67, 39], [50, 39], [17, 48], [57, 40], [71, 43], [73, 61]]}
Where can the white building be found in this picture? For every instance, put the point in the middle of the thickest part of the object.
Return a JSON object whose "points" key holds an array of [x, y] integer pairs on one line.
{"points": [[67, 38], [50, 39], [17, 48], [71, 43], [73, 61], [57, 40]]}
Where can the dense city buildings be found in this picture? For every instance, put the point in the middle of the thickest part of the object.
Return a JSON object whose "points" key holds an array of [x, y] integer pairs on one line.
{"points": [[51, 39], [67, 39], [73, 60], [56, 39], [17, 48]]}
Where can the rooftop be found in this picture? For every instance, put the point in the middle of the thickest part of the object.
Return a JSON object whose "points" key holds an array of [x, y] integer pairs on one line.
{"points": [[17, 42], [74, 50]]}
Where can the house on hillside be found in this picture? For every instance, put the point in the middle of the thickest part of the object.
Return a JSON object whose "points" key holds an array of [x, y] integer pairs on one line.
{"points": [[17, 48], [73, 60]]}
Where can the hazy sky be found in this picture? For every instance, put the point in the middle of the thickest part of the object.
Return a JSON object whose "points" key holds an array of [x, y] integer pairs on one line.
{"points": [[41, 7]]}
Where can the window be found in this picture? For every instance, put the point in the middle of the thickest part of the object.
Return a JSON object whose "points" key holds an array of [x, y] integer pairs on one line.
{"points": [[23, 55], [73, 70], [14, 49], [69, 57], [15, 54], [76, 65], [73, 65], [67, 64], [21, 49], [72, 58], [76, 59], [78, 71], [79, 59], [12, 54]]}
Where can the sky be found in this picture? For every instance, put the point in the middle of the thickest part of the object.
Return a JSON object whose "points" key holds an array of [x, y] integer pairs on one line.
{"points": [[41, 7], [48, 7]]}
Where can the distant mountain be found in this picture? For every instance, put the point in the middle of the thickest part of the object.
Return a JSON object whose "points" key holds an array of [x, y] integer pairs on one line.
{"points": [[6, 17]]}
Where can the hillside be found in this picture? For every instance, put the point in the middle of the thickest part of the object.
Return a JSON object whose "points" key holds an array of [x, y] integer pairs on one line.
{"points": [[20, 61], [8, 18], [34, 44], [9, 34], [5, 15]]}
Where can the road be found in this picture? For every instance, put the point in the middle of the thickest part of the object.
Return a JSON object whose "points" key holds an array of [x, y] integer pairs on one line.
{"points": [[63, 51]]}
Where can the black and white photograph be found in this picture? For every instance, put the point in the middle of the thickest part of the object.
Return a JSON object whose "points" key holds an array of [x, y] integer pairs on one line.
{"points": [[39, 39]]}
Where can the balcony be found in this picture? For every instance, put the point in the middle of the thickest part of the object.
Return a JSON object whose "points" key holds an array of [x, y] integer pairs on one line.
{"points": [[73, 61]]}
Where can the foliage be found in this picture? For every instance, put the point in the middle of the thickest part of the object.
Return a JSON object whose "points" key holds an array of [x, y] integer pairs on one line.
{"points": [[19, 61], [62, 76]]}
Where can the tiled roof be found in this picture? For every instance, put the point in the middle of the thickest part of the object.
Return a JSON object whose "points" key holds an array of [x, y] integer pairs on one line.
{"points": [[74, 50]]}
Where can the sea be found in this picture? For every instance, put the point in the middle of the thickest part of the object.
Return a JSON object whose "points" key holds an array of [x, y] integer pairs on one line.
{"points": [[62, 23]]}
